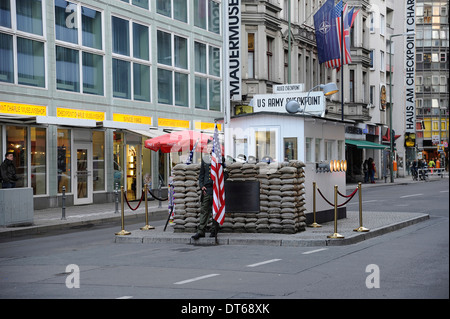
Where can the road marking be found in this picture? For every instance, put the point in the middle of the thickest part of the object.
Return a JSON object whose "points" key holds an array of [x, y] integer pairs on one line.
{"points": [[195, 279], [365, 201], [444, 191], [263, 263], [411, 195], [125, 297], [313, 251]]}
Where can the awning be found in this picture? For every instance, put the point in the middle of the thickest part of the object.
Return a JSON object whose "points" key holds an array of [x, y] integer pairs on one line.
{"points": [[365, 144], [151, 133]]}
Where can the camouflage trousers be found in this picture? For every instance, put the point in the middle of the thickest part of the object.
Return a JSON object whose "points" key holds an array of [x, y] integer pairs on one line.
{"points": [[206, 214]]}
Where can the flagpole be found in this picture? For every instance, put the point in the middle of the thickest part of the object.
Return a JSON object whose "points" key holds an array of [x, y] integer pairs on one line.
{"points": [[342, 65]]}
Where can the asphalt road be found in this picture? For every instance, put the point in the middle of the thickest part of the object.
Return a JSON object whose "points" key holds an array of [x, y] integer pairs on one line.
{"points": [[409, 263]]}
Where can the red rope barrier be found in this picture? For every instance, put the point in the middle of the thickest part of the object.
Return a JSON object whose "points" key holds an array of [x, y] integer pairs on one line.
{"points": [[126, 199], [324, 197], [350, 197]]}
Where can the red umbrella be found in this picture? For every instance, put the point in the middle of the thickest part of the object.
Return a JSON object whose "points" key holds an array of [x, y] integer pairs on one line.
{"points": [[178, 141]]}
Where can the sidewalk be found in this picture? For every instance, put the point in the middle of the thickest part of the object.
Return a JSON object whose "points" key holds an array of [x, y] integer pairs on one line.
{"points": [[48, 220]]}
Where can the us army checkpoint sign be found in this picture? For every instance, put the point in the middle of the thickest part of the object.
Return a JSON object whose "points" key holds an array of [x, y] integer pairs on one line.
{"points": [[312, 103]]}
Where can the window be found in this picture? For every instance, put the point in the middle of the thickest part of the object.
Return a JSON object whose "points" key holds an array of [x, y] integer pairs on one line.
{"points": [[38, 160], [352, 86], [251, 55], [138, 3], [290, 148], [265, 143], [173, 66], [308, 149], [16, 142], [63, 159], [29, 49], [382, 63], [269, 53], [77, 48], [317, 150], [98, 151], [207, 15], [207, 77], [131, 60], [372, 59], [329, 153]]}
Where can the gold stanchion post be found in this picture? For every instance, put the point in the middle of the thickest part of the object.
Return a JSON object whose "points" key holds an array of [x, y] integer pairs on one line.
{"points": [[314, 224], [123, 231], [147, 226], [360, 228], [335, 234]]}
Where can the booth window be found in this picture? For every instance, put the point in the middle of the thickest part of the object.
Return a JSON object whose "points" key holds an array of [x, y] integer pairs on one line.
{"points": [[317, 150], [63, 160], [308, 149], [265, 143], [290, 148]]}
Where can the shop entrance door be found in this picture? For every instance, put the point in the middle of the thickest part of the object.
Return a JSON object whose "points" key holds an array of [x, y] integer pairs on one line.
{"points": [[133, 181], [82, 188]]}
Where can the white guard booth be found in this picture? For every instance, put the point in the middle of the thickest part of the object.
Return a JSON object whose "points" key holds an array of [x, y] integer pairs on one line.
{"points": [[273, 134]]}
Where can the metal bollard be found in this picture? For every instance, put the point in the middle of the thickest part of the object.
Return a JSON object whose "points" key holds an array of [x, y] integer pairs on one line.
{"points": [[123, 231], [147, 226], [360, 228], [63, 203], [159, 193], [335, 234], [116, 199], [314, 224]]}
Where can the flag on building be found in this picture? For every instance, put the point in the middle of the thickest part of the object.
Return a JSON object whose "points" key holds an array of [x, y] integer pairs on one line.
{"points": [[328, 23], [218, 180], [326, 36]]}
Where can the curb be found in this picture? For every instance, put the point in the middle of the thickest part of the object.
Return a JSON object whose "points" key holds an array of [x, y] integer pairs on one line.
{"points": [[139, 237], [12, 232]]}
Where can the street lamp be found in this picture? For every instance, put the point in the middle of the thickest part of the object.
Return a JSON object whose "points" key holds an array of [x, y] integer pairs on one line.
{"points": [[328, 89], [392, 136]]}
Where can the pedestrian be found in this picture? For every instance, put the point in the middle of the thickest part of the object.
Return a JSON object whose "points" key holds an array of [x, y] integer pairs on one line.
{"points": [[431, 165], [206, 198], [366, 171], [414, 170], [8, 171], [372, 170]]}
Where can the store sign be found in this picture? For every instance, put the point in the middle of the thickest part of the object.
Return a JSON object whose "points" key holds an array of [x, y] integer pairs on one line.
{"points": [[22, 109], [132, 119], [410, 62], [80, 114], [173, 123], [234, 48], [312, 103], [207, 126], [289, 88]]}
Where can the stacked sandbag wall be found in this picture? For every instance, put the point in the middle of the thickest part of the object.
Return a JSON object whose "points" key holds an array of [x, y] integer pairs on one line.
{"points": [[282, 202]]}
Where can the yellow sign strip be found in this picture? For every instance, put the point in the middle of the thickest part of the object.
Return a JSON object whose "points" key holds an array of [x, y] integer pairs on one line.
{"points": [[132, 119], [22, 109], [80, 114], [173, 123], [207, 126]]}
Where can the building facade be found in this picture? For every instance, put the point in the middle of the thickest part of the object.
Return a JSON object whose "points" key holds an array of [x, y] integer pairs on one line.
{"points": [[84, 83], [377, 68], [432, 80]]}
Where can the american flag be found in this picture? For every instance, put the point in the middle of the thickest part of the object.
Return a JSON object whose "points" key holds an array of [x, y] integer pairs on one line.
{"points": [[218, 180], [328, 24], [336, 17]]}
